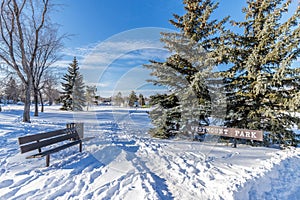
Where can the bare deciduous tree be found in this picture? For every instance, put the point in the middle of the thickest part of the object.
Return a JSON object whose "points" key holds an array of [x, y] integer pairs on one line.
{"points": [[47, 54], [22, 23], [49, 88]]}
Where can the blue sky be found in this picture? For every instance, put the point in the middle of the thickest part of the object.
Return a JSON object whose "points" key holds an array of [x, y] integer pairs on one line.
{"points": [[92, 21], [113, 39]]}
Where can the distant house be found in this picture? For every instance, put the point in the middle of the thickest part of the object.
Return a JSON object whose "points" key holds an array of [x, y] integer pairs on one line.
{"points": [[104, 101]]}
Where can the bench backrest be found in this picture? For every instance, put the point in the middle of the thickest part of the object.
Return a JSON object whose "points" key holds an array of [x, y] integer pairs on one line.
{"points": [[37, 141]]}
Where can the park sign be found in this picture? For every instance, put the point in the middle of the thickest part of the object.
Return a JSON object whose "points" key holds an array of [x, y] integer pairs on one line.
{"points": [[231, 132]]}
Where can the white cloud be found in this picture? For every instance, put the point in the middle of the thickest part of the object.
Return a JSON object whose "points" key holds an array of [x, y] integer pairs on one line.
{"points": [[117, 61], [79, 52], [107, 52], [109, 59], [62, 63]]}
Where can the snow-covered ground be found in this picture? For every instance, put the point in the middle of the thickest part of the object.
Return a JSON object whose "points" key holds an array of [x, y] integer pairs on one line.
{"points": [[124, 162]]}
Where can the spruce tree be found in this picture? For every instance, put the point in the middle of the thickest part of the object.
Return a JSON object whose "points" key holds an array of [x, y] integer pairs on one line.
{"points": [[79, 93], [73, 89], [164, 116], [186, 71], [262, 85], [132, 99], [141, 100]]}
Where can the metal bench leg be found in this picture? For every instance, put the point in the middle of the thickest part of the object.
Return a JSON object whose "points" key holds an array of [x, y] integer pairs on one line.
{"points": [[80, 147], [47, 160]]}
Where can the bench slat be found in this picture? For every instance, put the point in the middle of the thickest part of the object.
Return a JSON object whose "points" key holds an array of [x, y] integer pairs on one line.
{"points": [[48, 152], [40, 136], [44, 143]]}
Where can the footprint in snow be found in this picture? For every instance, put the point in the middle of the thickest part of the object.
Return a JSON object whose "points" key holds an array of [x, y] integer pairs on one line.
{"points": [[6, 183]]}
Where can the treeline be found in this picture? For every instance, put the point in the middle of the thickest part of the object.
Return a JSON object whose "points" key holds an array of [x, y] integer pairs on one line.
{"points": [[130, 101], [75, 95], [13, 91], [241, 74]]}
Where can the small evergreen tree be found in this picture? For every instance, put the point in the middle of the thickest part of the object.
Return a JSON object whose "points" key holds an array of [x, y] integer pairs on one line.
{"points": [[262, 86], [79, 93], [132, 99], [141, 100], [73, 89]]}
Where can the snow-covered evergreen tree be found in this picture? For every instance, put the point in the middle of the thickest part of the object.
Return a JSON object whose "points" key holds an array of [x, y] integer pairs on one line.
{"points": [[186, 71], [132, 99], [141, 100], [262, 84], [73, 89], [78, 93], [165, 116]]}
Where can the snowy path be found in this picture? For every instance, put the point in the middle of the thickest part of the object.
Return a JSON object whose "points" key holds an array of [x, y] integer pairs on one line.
{"points": [[123, 162]]}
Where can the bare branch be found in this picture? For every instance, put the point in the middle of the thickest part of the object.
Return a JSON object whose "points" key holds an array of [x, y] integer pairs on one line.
{"points": [[28, 44]]}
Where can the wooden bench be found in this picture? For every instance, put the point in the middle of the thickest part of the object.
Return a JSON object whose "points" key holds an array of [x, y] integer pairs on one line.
{"points": [[67, 137]]}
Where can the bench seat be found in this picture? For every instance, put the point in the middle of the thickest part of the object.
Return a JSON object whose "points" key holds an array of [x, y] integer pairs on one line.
{"points": [[64, 137], [54, 150]]}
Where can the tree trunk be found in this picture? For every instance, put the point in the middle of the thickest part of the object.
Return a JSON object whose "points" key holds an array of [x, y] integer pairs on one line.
{"points": [[50, 99], [36, 102], [42, 102], [26, 113]]}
